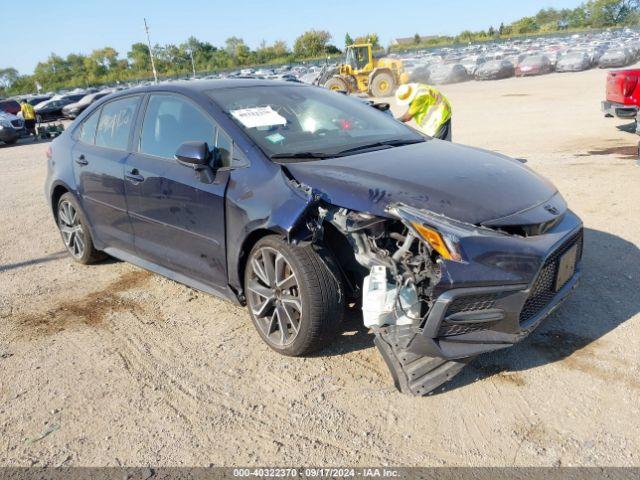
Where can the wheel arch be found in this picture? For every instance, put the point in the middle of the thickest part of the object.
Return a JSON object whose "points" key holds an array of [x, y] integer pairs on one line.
{"points": [[58, 189], [249, 241]]}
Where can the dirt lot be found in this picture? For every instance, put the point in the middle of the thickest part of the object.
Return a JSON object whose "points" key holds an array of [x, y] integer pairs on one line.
{"points": [[111, 365]]}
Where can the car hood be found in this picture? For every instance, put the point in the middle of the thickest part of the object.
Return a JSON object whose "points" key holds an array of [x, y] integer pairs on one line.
{"points": [[463, 183]]}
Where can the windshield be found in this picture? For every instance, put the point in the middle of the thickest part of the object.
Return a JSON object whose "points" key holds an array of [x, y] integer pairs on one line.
{"points": [[294, 121]]}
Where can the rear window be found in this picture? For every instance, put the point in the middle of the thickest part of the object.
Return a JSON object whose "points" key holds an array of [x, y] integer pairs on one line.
{"points": [[115, 123], [9, 105]]}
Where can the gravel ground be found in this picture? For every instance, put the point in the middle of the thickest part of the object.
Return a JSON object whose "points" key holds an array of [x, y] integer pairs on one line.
{"points": [[111, 365]]}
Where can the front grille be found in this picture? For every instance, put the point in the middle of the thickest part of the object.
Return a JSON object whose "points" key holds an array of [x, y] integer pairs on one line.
{"points": [[470, 303], [16, 123], [543, 289], [449, 329]]}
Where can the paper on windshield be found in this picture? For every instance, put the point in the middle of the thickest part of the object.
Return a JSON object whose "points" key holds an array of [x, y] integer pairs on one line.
{"points": [[258, 117]]}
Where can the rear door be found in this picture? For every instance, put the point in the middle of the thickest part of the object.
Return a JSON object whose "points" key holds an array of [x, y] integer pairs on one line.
{"points": [[101, 149], [177, 216]]}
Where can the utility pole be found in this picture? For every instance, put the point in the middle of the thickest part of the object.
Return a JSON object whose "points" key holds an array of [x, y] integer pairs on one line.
{"points": [[153, 65], [193, 64]]}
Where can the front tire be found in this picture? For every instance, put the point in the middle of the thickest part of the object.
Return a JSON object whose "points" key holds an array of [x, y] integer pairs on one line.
{"points": [[294, 295], [75, 232]]}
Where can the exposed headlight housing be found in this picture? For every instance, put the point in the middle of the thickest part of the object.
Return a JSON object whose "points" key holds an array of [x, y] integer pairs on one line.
{"points": [[440, 233]]}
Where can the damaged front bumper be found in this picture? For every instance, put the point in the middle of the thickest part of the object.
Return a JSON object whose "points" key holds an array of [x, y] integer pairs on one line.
{"points": [[497, 294]]}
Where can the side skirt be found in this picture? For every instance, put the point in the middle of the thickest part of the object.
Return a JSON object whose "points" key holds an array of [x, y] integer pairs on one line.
{"points": [[224, 293]]}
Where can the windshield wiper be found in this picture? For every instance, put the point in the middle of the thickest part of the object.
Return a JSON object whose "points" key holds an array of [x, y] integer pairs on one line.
{"points": [[302, 155], [388, 143]]}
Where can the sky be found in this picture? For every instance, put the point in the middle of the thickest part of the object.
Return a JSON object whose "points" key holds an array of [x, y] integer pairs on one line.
{"points": [[74, 26]]}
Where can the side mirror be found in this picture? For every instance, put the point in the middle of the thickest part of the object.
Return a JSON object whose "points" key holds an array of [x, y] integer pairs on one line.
{"points": [[193, 154], [383, 107]]}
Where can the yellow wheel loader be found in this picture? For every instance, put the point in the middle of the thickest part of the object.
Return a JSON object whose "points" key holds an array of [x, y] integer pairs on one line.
{"points": [[363, 73]]}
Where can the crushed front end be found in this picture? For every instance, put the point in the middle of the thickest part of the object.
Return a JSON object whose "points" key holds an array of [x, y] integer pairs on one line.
{"points": [[437, 292]]}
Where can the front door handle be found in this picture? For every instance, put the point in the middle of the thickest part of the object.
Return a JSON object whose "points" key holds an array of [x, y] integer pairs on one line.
{"points": [[134, 176], [81, 160]]}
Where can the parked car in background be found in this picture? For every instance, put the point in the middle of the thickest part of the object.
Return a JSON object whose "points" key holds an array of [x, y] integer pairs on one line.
{"points": [[441, 74], [11, 128], [50, 110], [296, 201], [616, 58], [495, 70], [9, 106], [623, 94], [72, 110], [534, 65], [35, 100], [472, 63], [574, 62], [420, 74]]}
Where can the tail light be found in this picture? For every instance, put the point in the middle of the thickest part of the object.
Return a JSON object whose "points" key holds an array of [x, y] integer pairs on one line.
{"points": [[48, 152], [629, 85]]}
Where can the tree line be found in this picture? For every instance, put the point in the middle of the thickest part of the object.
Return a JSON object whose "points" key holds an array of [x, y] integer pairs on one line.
{"points": [[593, 14], [105, 66]]}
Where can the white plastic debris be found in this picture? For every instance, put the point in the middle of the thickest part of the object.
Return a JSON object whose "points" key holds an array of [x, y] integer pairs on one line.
{"points": [[379, 301]]}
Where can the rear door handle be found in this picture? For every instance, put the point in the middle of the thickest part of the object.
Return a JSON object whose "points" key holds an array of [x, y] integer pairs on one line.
{"points": [[134, 176], [81, 160]]}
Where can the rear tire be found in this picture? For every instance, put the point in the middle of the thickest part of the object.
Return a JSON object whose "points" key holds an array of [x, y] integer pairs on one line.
{"points": [[337, 84], [383, 85], [75, 232], [294, 295]]}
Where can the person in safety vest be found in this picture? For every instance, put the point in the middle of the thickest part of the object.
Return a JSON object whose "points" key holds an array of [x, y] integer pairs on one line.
{"points": [[428, 107], [29, 116]]}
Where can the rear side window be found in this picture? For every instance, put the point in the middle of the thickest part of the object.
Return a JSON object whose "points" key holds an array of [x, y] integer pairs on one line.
{"points": [[115, 123], [88, 128], [169, 122]]}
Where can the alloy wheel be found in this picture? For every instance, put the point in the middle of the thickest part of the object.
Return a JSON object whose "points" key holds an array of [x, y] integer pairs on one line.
{"points": [[273, 294], [71, 229]]}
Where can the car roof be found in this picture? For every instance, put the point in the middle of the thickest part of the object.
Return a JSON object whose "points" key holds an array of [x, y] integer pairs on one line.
{"points": [[207, 85]]}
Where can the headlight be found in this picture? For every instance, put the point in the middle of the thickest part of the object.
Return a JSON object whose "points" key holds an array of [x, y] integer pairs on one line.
{"points": [[5, 124], [440, 233]]}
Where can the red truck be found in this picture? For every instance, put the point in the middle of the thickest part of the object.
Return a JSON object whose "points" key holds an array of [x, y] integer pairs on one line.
{"points": [[623, 94]]}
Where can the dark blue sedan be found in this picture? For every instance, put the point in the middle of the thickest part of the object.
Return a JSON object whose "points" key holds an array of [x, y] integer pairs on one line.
{"points": [[301, 203]]}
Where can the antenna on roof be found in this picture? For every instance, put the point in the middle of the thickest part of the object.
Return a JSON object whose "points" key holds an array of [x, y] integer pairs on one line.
{"points": [[153, 65]]}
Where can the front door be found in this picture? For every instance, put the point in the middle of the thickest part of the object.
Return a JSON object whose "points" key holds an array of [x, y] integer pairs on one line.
{"points": [[177, 216], [99, 156]]}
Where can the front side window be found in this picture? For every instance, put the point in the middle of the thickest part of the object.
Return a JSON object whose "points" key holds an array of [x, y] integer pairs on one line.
{"points": [[293, 120], [171, 121], [115, 123], [88, 128]]}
